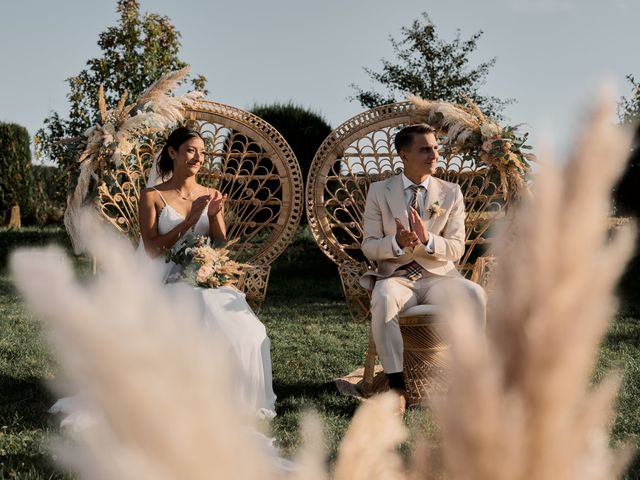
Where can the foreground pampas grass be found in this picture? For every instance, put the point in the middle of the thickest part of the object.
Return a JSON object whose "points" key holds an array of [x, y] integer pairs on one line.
{"points": [[520, 405], [367, 450], [522, 408], [141, 359]]}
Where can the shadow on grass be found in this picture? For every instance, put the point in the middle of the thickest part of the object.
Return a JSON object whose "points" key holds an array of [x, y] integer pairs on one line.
{"points": [[624, 332], [29, 467], [306, 389], [629, 286], [621, 340], [24, 403], [26, 429], [323, 396], [6, 288], [633, 472]]}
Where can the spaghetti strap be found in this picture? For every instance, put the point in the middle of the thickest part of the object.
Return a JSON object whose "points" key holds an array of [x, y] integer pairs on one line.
{"points": [[161, 197]]}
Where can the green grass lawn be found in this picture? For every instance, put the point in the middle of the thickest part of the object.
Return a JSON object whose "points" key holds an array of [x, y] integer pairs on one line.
{"points": [[313, 341]]}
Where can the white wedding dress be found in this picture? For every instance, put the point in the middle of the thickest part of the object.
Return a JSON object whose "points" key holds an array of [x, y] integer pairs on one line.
{"points": [[225, 313]]}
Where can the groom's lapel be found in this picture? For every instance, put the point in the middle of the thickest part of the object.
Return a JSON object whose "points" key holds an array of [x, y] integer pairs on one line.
{"points": [[395, 197], [434, 194]]}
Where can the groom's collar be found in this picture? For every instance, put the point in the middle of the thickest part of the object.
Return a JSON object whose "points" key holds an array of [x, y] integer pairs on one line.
{"points": [[406, 183]]}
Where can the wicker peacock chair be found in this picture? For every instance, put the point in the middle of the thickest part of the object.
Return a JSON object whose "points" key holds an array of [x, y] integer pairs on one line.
{"points": [[247, 159], [359, 152]]}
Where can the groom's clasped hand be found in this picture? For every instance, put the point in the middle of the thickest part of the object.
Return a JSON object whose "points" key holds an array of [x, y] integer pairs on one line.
{"points": [[417, 234]]}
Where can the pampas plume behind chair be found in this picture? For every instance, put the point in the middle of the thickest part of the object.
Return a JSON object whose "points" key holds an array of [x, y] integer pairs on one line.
{"points": [[521, 407]]}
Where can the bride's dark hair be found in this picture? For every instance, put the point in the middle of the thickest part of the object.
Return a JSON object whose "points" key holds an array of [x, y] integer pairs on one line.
{"points": [[174, 140]]}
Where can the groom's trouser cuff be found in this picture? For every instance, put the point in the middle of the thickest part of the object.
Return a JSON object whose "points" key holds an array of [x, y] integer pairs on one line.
{"points": [[396, 381]]}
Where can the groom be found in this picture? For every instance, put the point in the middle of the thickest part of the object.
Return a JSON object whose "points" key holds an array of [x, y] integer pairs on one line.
{"points": [[414, 230]]}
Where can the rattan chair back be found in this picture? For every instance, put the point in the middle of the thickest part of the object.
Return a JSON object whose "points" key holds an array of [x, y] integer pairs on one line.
{"points": [[361, 151], [247, 159]]}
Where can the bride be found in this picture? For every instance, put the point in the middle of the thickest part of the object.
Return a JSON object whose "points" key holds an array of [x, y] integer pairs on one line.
{"points": [[179, 207], [172, 208]]}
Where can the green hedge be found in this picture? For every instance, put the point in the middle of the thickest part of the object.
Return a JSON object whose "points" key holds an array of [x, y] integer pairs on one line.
{"points": [[49, 196], [302, 128], [15, 165], [31, 237]]}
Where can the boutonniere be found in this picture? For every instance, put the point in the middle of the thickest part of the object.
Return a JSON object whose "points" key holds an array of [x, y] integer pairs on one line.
{"points": [[435, 210]]}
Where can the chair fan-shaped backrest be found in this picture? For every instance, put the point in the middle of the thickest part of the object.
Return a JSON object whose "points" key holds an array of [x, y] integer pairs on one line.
{"points": [[247, 159], [361, 151]]}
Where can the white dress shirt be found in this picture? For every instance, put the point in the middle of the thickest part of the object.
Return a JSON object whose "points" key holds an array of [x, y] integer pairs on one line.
{"points": [[421, 197]]}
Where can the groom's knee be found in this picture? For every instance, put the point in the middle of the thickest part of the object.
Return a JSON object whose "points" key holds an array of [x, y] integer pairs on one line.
{"points": [[477, 298], [460, 292], [385, 304]]}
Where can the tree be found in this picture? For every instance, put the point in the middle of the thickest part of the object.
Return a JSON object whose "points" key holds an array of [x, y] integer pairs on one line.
{"points": [[433, 69], [49, 195], [15, 165], [136, 52], [626, 195], [303, 129]]}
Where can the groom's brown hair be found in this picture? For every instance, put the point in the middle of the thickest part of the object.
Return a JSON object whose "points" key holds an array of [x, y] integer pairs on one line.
{"points": [[404, 137]]}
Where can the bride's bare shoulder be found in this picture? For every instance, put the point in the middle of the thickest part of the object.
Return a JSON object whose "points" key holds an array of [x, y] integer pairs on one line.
{"points": [[152, 194], [161, 187], [148, 193]]}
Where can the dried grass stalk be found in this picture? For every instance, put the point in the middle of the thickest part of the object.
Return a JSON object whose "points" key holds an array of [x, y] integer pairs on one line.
{"points": [[310, 459], [368, 448], [523, 408], [145, 363], [519, 407]]}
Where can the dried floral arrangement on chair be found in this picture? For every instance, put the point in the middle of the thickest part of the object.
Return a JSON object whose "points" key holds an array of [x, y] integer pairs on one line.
{"points": [[470, 133], [245, 158], [108, 143]]}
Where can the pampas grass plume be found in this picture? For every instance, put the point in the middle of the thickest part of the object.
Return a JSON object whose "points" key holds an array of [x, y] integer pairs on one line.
{"points": [[144, 363], [522, 407], [368, 449], [520, 404]]}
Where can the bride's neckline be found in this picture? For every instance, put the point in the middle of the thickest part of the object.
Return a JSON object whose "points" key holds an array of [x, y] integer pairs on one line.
{"points": [[167, 205]]}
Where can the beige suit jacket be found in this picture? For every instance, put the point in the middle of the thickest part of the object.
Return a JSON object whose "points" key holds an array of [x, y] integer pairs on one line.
{"points": [[385, 202]]}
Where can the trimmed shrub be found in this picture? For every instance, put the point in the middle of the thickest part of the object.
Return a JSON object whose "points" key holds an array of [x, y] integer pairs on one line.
{"points": [[625, 194], [15, 169], [302, 128]]}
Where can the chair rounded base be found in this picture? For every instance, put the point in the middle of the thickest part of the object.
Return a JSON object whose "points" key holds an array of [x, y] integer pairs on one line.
{"points": [[425, 359], [421, 384], [425, 355]]}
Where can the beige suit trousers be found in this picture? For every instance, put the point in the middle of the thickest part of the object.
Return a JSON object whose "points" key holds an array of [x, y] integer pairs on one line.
{"points": [[392, 295]]}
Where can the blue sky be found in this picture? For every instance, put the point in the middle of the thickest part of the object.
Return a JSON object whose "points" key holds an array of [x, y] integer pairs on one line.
{"points": [[552, 55]]}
